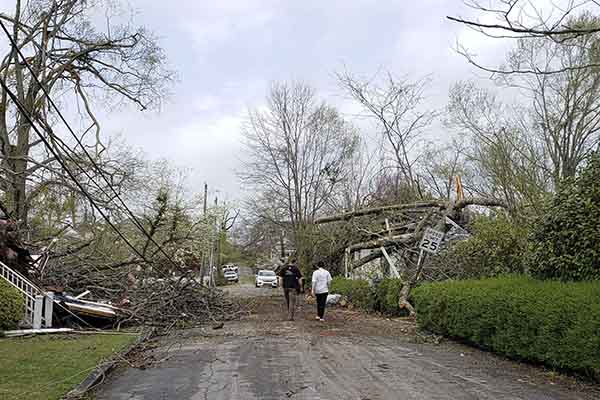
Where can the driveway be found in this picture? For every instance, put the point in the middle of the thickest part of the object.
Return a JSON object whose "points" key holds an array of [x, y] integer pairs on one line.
{"points": [[351, 356]]}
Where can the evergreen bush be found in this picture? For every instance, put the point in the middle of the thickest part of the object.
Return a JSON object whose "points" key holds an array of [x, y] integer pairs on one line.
{"points": [[12, 306], [551, 322], [565, 243]]}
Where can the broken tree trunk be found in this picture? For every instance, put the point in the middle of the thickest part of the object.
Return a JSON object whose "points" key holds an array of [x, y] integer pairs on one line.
{"points": [[385, 241], [437, 216], [378, 210]]}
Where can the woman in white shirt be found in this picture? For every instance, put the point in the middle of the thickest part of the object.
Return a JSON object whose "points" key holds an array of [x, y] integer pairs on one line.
{"points": [[321, 279]]}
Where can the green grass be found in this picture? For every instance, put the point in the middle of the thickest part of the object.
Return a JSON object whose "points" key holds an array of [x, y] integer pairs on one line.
{"points": [[47, 367]]}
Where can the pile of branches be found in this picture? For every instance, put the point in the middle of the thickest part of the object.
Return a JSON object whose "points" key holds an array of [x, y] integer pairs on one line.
{"points": [[145, 294], [106, 280], [178, 303]]}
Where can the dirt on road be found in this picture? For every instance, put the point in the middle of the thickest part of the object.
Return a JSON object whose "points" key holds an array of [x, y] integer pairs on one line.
{"points": [[350, 356]]}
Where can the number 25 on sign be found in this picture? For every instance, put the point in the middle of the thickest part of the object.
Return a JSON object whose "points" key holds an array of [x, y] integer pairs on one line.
{"points": [[432, 240]]}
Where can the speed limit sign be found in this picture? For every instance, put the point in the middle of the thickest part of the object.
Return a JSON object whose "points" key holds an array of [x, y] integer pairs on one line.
{"points": [[432, 239]]}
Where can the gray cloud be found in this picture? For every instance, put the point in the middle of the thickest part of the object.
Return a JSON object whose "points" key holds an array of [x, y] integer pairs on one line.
{"points": [[228, 52]]}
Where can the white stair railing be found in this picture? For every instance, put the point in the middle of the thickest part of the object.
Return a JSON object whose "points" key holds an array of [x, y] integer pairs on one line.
{"points": [[26, 288]]}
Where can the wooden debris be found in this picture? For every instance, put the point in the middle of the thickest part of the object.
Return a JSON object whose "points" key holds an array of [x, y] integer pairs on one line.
{"points": [[26, 332]]}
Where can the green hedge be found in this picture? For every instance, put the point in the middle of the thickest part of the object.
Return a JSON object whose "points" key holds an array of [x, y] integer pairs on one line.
{"points": [[12, 307], [551, 322], [387, 293], [357, 291], [383, 297]]}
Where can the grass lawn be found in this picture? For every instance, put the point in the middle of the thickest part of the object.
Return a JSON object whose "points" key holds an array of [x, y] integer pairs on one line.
{"points": [[47, 367]]}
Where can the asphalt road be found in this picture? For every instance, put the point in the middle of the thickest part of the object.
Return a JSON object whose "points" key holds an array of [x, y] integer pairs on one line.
{"points": [[351, 356]]}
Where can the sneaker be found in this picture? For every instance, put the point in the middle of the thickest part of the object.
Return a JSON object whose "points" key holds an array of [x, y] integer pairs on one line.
{"points": [[318, 318], [322, 319]]}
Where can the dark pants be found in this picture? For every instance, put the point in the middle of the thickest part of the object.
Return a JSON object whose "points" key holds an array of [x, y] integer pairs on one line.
{"points": [[321, 301], [290, 299]]}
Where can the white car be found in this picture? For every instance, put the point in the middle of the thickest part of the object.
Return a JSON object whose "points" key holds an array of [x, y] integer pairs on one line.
{"points": [[230, 267], [266, 277], [231, 276]]}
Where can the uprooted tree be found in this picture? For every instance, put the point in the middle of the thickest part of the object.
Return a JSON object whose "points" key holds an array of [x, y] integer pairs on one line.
{"points": [[396, 231]]}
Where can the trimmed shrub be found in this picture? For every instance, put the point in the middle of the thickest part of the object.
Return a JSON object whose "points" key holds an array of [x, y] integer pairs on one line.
{"points": [[387, 293], [565, 243], [12, 306], [383, 297], [551, 322], [357, 291]]}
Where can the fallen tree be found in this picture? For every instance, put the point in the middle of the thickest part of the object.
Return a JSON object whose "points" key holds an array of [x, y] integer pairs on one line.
{"points": [[412, 220], [97, 282]]}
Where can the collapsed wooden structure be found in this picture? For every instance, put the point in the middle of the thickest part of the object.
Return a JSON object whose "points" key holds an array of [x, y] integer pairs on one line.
{"points": [[399, 233]]}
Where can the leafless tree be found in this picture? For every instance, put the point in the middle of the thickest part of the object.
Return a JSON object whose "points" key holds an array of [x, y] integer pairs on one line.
{"points": [[261, 236], [75, 61], [297, 151], [566, 105], [442, 165], [355, 189], [509, 162], [397, 107], [521, 19]]}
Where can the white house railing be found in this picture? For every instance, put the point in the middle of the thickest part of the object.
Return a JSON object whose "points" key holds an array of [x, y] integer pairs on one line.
{"points": [[29, 291]]}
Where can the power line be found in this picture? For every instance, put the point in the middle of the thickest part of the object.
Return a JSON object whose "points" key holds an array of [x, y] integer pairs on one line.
{"points": [[100, 172], [57, 156], [25, 114], [66, 150]]}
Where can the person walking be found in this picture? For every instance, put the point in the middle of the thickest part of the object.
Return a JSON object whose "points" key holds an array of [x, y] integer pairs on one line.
{"points": [[291, 277], [321, 280]]}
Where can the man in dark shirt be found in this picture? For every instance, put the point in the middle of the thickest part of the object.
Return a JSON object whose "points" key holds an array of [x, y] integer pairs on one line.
{"points": [[291, 277]]}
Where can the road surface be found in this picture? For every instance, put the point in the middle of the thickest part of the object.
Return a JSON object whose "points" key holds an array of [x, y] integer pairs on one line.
{"points": [[350, 357]]}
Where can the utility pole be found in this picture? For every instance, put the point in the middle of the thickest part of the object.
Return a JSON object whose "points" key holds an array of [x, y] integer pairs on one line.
{"points": [[205, 196], [214, 247], [216, 244], [205, 257]]}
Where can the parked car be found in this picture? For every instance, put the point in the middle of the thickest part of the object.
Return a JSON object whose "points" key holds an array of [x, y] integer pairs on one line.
{"points": [[231, 276], [230, 267], [266, 277]]}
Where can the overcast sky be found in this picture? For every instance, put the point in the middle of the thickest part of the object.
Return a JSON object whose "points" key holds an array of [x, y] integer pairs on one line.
{"points": [[227, 52]]}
